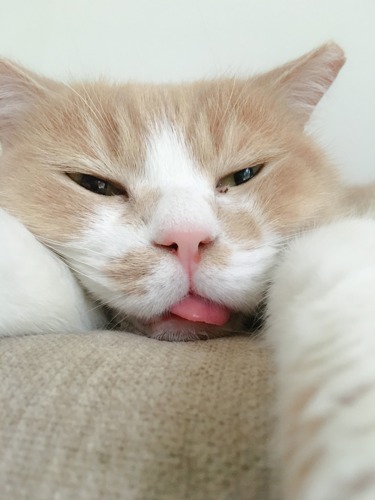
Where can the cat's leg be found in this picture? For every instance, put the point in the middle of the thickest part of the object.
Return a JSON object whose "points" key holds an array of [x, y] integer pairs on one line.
{"points": [[38, 293], [322, 328]]}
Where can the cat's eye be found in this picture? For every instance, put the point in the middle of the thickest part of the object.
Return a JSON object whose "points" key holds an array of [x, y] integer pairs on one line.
{"points": [[239, 177], [96, 185]]}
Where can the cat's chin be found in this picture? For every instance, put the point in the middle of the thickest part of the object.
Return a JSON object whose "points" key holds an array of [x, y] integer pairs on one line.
{"points": [[173, 328]]}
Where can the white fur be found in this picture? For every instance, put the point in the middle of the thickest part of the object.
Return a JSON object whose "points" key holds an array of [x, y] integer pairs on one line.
{"points": [[322, 327], [186, 194], [241, 283], [38, 293], [169, 161]]}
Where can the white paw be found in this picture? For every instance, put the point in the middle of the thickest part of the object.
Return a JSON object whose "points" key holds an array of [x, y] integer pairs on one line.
{"points": [[38, 293]]}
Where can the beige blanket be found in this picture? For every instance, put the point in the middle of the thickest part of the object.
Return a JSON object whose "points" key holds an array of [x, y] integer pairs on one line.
{"points": [[116, 416]]}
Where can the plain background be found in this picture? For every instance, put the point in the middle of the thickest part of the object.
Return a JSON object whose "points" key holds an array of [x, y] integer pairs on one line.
{"points": [[172, 40]]}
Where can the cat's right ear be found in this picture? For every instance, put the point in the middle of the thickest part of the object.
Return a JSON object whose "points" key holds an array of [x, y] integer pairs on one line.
{"points": [[19, 89]]}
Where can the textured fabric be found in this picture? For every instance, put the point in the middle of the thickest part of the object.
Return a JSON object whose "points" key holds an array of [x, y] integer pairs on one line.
{"points": [[117, 416]]}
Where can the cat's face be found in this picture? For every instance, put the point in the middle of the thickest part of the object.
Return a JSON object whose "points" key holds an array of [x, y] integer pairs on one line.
{"points": [[170, 203]]}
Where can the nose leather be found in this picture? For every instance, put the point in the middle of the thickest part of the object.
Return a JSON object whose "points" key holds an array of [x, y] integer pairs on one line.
{"points": [[187, 245]]}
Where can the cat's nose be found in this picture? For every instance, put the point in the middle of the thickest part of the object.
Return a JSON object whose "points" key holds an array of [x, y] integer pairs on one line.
{"points": [[187, 245]]}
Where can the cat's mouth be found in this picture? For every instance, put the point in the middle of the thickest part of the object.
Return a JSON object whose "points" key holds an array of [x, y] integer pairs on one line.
{"points": [[192, 318], [196, 318]]}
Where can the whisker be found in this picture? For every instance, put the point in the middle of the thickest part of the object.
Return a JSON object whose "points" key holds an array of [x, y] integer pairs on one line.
{"points": [[115, 325], [70, 246], [78, 271], [99, 305]]}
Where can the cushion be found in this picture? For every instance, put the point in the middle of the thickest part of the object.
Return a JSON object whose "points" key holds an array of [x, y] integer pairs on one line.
{"points": [[115, 415]]}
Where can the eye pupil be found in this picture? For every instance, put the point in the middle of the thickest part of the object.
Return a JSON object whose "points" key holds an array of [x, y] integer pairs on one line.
{"points": [[94, 184], [243, 175], [239, 177]]}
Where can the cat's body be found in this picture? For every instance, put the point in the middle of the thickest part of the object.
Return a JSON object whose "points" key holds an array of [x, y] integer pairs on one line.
{"points": [[322, 328], [209, 180]]}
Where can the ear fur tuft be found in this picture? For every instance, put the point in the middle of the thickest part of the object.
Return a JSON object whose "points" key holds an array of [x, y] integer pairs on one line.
{"points": [[304, 81]]}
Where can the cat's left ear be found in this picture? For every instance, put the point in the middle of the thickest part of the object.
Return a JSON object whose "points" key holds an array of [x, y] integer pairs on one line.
{"points": [[304, 81]]}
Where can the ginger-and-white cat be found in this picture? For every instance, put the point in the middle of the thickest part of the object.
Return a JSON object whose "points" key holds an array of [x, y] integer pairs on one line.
{"points": [[169, 203], [164, 209]]}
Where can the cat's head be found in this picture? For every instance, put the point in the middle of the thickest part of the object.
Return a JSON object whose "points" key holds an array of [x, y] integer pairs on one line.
{"points": [[169, 202]]}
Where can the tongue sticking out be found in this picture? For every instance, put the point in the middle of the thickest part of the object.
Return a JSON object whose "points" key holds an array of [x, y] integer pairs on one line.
{"points": [[197, 309]]}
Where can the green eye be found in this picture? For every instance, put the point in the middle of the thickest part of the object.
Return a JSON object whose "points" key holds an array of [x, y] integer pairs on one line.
{"points": [[96, 185], [240, 177]]}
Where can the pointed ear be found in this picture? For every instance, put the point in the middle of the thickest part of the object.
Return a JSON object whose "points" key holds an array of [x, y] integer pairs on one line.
{"points": [[304, 81], [19, 89]]}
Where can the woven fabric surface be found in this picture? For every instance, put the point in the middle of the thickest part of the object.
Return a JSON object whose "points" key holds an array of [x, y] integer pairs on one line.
{"points": [[112, 415]]}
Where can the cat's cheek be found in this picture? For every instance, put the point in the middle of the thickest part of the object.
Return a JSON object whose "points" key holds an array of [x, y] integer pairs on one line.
{"points": [[146, 294], [242, 222], [109, 234], [241, 284]]}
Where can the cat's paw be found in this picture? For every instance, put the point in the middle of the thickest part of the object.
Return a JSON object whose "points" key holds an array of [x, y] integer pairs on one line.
{"points": [[321, 325], [323, 280], [38, 293]]}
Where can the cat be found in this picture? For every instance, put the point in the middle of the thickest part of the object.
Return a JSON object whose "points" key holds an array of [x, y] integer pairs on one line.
{"points": [[169, 203], [321, 327]]}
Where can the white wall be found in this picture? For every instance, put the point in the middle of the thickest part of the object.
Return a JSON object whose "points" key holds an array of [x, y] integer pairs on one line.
{"points": [[162, 40]]}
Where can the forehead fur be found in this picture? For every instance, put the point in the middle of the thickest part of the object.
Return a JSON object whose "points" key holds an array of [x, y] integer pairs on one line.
{"points": [[103, 129], [216, 117]]}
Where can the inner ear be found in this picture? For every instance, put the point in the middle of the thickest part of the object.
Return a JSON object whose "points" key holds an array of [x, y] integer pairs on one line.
{"points": [[19, 89], [304, 81]]}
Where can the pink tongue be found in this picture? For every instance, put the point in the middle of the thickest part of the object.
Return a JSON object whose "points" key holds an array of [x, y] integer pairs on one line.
{"points": [[195, 308]]}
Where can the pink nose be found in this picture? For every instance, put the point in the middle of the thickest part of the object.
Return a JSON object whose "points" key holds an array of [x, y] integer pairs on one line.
{"points": [[187, 245]]}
